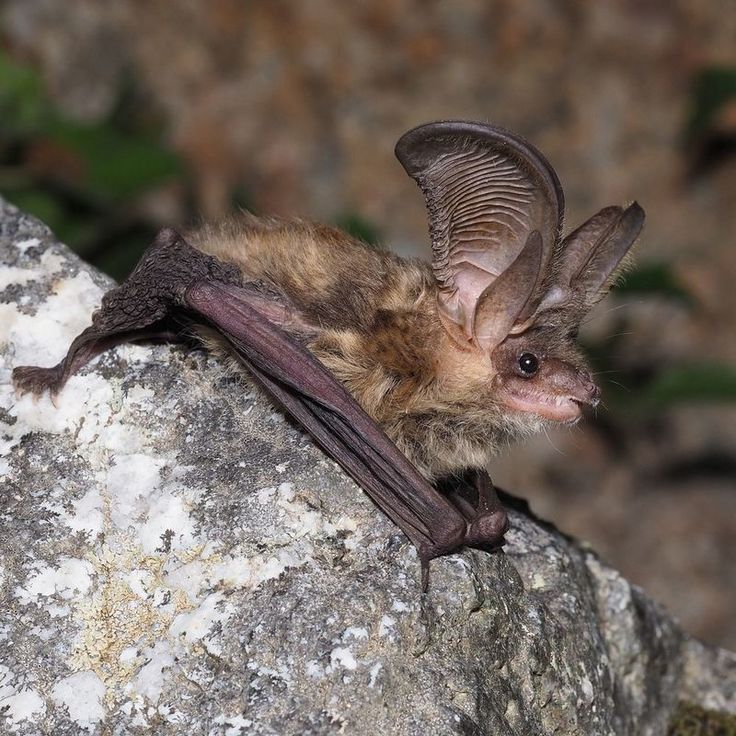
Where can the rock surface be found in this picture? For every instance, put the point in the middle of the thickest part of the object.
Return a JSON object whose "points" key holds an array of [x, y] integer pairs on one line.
{"points": [[176, 557]]}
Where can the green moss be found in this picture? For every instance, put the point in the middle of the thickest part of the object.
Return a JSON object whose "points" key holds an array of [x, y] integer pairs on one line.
{"points": [[654, 278], [359, 228], [713, 88], [693, 720], [696, 382], [81, 179]]}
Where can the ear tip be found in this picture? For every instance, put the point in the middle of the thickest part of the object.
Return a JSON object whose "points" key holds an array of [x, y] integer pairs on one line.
{"points": [[636, 211], [167, 236], [406, 149], [418, 146], [422, 144], [633, 218]]}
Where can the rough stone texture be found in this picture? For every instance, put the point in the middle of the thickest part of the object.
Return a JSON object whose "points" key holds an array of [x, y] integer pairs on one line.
{"points": [[177, 557]]}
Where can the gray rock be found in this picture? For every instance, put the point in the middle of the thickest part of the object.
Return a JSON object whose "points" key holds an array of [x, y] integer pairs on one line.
{"points": [[178, 558]]}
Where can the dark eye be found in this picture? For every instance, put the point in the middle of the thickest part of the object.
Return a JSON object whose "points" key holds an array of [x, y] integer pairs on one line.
{"points": [[529, 364]]}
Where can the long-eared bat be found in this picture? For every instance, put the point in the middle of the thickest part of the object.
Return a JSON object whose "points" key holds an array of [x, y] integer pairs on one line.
{"points": [[410, 375]]}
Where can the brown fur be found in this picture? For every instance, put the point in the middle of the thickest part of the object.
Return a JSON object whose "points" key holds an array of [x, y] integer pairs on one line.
{"points": [[377, 329]]}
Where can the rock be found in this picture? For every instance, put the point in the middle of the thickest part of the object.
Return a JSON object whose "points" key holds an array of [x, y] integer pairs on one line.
{"points": [[177, 557]]}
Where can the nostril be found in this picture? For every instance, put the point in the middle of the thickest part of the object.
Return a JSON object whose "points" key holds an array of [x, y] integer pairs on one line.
{"points": [[595, 393], [590, 387]]}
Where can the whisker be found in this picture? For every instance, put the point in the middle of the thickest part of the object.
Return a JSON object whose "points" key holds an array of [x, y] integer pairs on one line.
{"points": [[591, 317], [574, 431], [623, 334], [549, 439]]}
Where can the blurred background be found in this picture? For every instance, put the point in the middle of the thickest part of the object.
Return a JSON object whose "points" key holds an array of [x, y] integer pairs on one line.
{"points": [[118, 118]]}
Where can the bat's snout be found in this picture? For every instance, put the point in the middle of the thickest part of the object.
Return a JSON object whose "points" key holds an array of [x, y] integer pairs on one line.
{"points": [[558, 392], [587, 391]]}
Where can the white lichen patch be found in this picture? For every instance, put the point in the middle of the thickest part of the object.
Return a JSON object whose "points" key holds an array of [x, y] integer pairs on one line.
{"points": [[401, 607], [196, 625], [83, 408], [235, 725], [69, 578], [586, 687], [250, 572], [24, 245], [168, 525], [24, 705], [343, 657], [304, 521], [355, 632], [140, 395], [50, 264], [82, 694], [18, 703], [386, 626], [132, 482], [314, 669], [374, 672], [43, 338], [150, 680], [86, 514], [9, 275]]}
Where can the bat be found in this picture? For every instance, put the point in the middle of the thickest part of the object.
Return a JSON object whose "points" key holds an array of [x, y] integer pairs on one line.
{"points": [[410, 375]]}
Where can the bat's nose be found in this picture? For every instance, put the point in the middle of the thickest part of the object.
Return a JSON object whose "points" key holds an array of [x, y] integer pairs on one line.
{"points": [[591, 393]]}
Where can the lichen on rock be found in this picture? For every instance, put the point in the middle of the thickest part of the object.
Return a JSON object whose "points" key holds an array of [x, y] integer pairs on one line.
{"points": [[176, 556]]}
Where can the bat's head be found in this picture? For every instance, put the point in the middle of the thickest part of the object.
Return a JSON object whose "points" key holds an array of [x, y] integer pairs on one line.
{"points": [[538, 367], [509, 289], [542, 372]]}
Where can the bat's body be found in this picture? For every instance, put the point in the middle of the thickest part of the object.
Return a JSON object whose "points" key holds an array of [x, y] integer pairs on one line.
{"points": [[370, 352], [371, 318]]}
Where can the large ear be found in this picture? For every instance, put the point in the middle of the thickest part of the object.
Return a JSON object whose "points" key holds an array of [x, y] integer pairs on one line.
{"points": [[589, 256], [597, 273], [486, 191], [500, 305]]}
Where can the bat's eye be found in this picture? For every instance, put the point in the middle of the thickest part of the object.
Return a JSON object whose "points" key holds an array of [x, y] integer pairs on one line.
{"points": [[529, 364]]}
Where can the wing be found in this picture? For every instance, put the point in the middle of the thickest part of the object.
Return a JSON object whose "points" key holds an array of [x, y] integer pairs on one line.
{"points": [[175, 282], [495, 205]]}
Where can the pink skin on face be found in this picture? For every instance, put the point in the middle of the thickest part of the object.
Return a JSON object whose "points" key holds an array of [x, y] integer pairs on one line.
{"points": [[558, 408], [556, 393]]}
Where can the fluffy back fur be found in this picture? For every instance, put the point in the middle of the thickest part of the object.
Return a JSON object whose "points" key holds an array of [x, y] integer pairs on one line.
{"points": [[376, 327]]}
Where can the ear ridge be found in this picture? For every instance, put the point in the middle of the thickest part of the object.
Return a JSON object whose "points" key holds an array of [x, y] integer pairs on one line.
{"points": [[502, 303], [486, 191]]}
